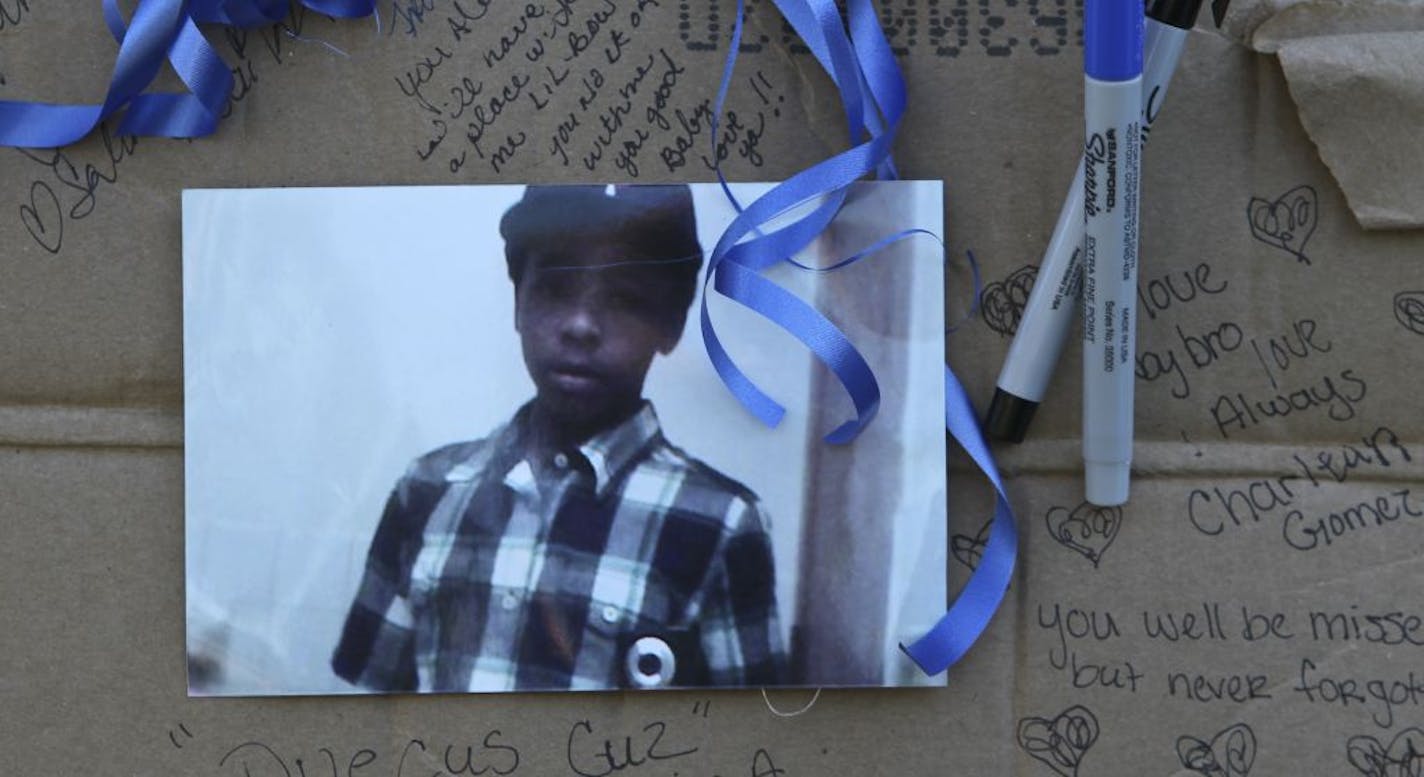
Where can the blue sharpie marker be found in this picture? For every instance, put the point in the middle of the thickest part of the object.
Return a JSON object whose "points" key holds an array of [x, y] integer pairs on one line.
{"points": [[1048, 317], [1112, 109]]}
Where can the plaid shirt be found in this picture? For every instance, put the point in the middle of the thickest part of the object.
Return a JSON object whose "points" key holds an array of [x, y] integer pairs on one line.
{"points": [[482, 578]]}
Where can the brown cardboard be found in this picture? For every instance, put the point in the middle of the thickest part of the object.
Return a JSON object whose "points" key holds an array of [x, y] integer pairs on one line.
{"points": [[1354, 73], [90, 625]]}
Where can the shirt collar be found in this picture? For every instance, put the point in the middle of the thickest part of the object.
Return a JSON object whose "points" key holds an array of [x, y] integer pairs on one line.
{"points": [[608, 453], [611, 451]]}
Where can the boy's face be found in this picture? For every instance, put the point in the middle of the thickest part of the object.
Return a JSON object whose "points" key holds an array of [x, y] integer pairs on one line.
{"points": [[589, 331]]}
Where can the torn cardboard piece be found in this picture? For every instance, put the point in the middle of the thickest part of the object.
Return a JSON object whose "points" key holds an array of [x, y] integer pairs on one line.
{"points": [[1356, 74]]}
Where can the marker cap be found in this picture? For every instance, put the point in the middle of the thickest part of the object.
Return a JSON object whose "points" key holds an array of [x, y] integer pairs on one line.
{"points": [[1112, 39], [1106, 482], [1008, 416], [1181, 14]]}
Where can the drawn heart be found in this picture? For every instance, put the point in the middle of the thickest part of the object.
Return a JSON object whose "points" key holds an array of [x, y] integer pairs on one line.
{"points": [[1062, 742], [1409, 310], [1230, 753], [42, 217], [968, 550], [1287, 222], [1087, 529], [1002, 302], [1404, 756]]}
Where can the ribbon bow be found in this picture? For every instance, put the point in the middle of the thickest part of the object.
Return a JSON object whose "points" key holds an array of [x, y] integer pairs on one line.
{"points": [[159, 30]]}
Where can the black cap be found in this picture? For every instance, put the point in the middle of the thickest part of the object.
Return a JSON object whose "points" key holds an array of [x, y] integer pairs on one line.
{"points": [[1009, 416], [658, 221], [1178, 13]]}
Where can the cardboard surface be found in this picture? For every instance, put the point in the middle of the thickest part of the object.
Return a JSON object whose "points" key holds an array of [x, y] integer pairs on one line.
{"points": [[1354, 70], [1213, 624]]}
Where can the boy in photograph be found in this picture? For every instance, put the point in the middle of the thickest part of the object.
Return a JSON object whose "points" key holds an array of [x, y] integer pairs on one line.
{"points": [[575, 547]]}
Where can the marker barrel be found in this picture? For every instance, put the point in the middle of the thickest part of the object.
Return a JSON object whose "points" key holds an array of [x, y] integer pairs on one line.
{"points": [[1111, 169]]}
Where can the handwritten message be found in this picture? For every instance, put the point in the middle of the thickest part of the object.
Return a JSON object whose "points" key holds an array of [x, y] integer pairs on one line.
{"points": [[570, 83], [1089, 648], [589, 749], [68, 189]]}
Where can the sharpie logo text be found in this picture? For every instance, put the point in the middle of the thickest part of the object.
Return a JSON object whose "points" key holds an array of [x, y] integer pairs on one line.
{"points": [[1095, 154]]}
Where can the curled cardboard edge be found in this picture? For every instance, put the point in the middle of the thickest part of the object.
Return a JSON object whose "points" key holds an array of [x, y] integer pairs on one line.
{"points": [[1355, 69]]}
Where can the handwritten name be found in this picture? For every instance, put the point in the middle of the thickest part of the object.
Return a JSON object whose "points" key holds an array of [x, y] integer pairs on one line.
{"points": [[590, 752], [1214, 511], [492, 755], [592, 756], [1308, 532], [43, 215], [12, 12]]}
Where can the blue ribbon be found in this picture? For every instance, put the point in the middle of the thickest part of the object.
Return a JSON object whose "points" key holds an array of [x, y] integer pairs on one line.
{"points": [[159, 30], [873, 97], [967, 618], [734, 263]]}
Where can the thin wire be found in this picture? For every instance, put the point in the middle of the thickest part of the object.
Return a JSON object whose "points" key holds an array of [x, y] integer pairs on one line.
{"points": [[625, 263], [974, 304], [778, 713], [294, 36]]}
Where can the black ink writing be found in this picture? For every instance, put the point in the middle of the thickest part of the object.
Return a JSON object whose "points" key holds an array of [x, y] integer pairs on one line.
{"points": [[1087, 529], [409, 15], [1336, 399], [1193, 350], [1303, 531], [591, 756], [493, 756], [1061, 742], [1380, 695], [1212, 511], [42, 215], [1208, 688], [12, 12], [1409, 310], [1286, 222], [1002, 302], [1157, 295], [1192, 625], [412, 81], [1283, 350]]}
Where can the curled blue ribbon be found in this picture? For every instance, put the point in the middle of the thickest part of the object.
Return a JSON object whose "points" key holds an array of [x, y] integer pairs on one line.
{"points": [[873, 96], [967, 618], [160, 30], [743, 247]]}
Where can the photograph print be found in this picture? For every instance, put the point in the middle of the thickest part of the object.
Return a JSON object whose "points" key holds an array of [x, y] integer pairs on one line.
{"points": [[468, 439]]}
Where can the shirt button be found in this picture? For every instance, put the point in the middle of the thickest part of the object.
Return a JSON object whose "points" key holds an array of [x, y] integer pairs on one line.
{"points": [[610, 614], [561, 461], [509, 601]]}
